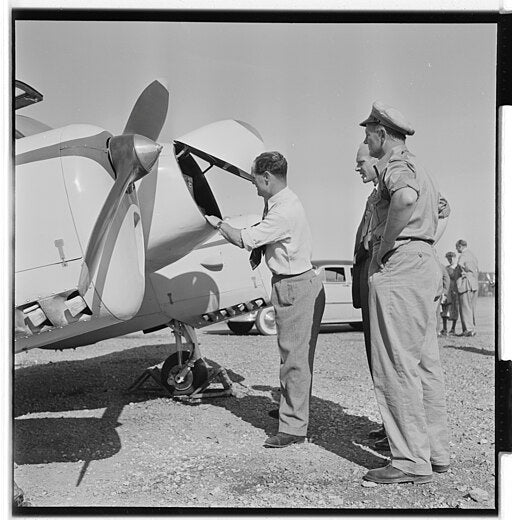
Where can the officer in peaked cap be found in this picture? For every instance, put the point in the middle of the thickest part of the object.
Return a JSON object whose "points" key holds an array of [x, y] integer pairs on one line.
{"points": [[389, 117], [404, 283]]}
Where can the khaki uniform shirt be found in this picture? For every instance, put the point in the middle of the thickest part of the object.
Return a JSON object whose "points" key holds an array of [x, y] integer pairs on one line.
{"points": [[399, 169]]}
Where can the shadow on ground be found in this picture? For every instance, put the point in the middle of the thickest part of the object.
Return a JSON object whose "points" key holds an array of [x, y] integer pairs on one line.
{"points": [[101, 383], [82, 385], [330, 427], [474, 350]]}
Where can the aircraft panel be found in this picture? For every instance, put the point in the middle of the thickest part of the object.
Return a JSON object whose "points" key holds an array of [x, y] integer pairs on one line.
{"points": [[44, 230], [87, 186], [26, 126], [215, 275], [210, 143], [35, 284], [173, 222], [56, 335]]}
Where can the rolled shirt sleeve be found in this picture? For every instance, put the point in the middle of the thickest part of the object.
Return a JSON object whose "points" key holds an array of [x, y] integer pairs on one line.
{"points": [[273, 228], [400, 176]]}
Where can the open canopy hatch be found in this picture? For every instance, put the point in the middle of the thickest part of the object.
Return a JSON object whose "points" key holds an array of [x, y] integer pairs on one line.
{"points": [[229, 144]]}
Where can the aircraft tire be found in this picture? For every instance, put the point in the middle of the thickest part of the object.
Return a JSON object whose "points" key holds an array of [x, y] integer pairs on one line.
{"points": [[195, 378], [266, 321], [240, 327]]}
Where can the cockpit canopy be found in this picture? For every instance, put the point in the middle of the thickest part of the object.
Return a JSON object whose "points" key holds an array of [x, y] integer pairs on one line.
{"points": [[25, 96]]}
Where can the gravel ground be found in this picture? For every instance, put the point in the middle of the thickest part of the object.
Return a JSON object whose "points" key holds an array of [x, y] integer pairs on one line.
{"points": [[81, 441]]}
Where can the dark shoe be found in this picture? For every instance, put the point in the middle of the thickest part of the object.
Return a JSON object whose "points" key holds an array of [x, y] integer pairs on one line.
{"points": [[392, 475], [470, 333], [460, 334], [281, 440], [442, 333], [439, 468], [382, 444], [378, 433], [274, 413], [452, 333]]}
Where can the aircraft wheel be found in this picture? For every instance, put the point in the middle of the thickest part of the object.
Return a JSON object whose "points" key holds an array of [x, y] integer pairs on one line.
{"points": [[240, 327], [357, 325], [266, 321], [194, 379]]}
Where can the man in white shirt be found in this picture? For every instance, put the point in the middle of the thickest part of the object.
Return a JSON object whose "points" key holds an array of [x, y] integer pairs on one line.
{"points": [[297, 292]]}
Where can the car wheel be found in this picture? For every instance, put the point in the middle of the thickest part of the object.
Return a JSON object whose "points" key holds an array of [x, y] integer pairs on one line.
{"points": [[357, 325], [266, 321], [240, 327]]}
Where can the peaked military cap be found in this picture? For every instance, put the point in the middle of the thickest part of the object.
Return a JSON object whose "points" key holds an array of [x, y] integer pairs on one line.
{"points": [[388, 116]]}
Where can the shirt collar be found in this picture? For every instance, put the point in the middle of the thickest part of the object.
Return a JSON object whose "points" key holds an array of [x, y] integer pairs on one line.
{"points": [[383, 161], [280, 195]]}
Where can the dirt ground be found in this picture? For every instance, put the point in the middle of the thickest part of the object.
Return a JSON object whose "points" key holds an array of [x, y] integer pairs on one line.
{"points": [[81, 441]]}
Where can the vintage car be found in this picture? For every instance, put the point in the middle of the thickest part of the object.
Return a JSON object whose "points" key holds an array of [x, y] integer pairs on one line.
{"points": [[337, 279]]}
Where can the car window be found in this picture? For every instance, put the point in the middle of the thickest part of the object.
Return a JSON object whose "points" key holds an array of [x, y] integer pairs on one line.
{"points": [[335, 274]]}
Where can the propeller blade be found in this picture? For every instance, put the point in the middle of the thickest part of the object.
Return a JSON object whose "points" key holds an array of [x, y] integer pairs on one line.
{"points": [[133, 157], [148, 115]]}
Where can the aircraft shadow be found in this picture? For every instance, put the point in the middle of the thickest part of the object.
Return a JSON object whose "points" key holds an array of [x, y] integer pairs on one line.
{"points": [[346, 435], [101, 383], [39, 441], [475, 350], [88, 384]]}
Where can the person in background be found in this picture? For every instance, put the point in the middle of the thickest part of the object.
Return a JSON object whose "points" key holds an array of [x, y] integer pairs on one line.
{"points": [[404, 286], [362, 258], [298, 295], [444, 306], [467, 287], [450, 308]]}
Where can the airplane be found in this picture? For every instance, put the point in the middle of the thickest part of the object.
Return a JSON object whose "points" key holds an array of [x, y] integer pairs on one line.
{"points": [[111, 236]]}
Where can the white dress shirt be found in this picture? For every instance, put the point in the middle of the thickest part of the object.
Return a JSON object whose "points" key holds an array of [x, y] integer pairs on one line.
{"points": [[285, 233]]}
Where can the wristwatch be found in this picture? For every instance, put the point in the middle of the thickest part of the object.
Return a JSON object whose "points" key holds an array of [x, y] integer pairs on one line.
{"points": [[219, 224]]}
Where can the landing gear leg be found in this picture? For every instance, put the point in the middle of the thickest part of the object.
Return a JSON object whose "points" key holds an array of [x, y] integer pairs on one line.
{"points": [[184, 373], [185, 370]]}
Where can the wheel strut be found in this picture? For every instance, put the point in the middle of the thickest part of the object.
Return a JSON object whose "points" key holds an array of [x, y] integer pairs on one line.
{"points": [[183, 373]]}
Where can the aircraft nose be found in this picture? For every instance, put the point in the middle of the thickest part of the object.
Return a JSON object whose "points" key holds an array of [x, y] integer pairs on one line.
{"points": [[147, 151]]}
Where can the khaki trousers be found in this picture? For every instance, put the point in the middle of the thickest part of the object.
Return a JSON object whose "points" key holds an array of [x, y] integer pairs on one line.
{"points": [[299, 303], [407, 374], [467, 305]]}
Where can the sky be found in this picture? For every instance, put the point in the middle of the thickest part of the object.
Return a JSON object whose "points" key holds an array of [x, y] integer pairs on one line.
{"points": [[305, 88]]}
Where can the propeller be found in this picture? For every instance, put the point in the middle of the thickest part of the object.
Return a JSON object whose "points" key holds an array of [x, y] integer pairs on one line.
{"points": [[149, 112], [133, 155]]}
